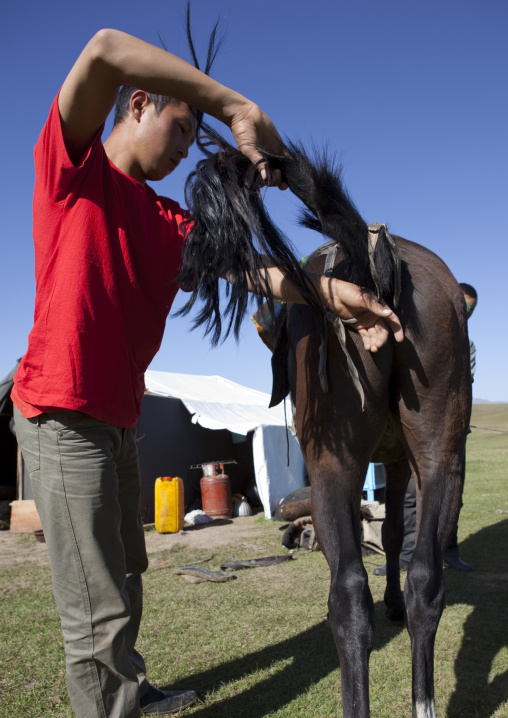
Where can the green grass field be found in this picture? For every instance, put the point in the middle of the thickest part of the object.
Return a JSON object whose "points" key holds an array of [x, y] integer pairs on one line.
{"points": [[258, 646]]}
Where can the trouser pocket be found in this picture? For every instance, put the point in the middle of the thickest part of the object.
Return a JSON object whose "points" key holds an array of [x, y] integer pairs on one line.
{"points": [[28, 438]]}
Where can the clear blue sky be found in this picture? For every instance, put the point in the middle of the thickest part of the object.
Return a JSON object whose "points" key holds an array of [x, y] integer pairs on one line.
{"points": [[411, 95]]}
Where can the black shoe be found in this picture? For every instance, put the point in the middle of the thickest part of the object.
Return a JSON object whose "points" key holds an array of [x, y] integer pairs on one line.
{"points": [[157, 702], [457, 563], [381, 571]]}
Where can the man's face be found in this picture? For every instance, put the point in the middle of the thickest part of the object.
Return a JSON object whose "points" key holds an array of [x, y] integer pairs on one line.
{"points": [[163, 140], [470, 304]]}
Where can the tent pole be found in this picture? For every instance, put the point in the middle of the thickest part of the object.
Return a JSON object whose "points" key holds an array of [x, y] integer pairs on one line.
{"points": [[19, 476]]}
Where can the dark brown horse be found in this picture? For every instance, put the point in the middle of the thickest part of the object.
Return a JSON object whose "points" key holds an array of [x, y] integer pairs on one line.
{"points": [[407, 405], [420, 390]]}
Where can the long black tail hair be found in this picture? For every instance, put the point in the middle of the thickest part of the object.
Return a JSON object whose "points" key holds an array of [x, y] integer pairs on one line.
{"points": [[232, 236], [231, 233], [317, 182]]}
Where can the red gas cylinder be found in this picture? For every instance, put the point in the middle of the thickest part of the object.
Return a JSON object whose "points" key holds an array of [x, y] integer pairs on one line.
{"points": [[216, 491]]}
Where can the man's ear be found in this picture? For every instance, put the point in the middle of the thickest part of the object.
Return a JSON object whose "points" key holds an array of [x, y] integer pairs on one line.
{"points": [[138, 103]]}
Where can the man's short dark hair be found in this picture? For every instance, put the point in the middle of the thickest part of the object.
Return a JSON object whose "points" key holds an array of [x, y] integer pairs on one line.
{"points": [[469, 290], [124, 96]]}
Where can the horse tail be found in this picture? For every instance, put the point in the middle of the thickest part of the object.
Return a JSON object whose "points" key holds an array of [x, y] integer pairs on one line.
{"points": [[230, 233], [318, 183]]}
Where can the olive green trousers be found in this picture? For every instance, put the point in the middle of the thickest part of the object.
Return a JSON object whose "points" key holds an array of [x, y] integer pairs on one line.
{"points": [[86, 483]]}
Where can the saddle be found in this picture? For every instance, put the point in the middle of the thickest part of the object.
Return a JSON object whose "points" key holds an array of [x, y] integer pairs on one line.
{"points": [[272, 324]]}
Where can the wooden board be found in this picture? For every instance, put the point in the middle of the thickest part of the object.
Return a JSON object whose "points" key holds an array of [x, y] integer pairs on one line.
{"points": [[24, 517]]}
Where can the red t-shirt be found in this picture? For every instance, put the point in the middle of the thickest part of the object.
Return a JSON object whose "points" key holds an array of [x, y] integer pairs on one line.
{"points": [[107, 254]]}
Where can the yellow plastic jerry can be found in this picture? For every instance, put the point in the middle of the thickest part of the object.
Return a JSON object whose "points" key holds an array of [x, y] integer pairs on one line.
{"points": [[169, 507]]}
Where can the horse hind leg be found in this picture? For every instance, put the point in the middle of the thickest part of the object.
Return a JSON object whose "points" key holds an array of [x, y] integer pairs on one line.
{"points": [[337, 438], [424, 591], [336, 517]]}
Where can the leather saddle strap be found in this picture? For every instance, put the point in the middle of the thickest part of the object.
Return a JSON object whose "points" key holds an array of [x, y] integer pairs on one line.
{"points": [[330, 249]]}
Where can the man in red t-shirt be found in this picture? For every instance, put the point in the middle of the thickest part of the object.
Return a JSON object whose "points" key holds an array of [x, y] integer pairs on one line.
{"points": [[107, 254]]}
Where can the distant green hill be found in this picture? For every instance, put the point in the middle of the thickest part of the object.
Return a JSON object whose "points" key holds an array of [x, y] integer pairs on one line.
{"points": [[490, 416]]}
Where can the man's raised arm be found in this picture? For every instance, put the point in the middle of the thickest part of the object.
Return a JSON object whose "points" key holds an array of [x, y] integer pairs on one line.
{"points": [[113, 58]]}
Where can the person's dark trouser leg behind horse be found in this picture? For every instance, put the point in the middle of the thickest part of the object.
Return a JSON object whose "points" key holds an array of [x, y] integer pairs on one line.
{"points": [[393, 528], [451, 557], [408, 542], [408, 522]]}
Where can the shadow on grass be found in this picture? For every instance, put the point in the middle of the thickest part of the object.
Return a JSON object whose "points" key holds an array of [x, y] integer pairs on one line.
{"points": [[199, 527], [311, 654], [486, 628]]}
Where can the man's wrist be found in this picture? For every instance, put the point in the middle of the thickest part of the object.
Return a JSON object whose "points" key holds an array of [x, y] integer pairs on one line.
{"points": [[233, 107]]}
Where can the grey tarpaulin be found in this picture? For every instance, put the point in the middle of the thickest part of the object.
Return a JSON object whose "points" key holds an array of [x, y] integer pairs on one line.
{"points": [[5, 388]]}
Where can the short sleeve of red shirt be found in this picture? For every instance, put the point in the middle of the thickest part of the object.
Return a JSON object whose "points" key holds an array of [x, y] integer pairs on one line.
{"points": [[107, 254]]}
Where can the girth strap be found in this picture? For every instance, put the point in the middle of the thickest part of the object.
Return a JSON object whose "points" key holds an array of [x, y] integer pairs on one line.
{"points": [[340, 332]]}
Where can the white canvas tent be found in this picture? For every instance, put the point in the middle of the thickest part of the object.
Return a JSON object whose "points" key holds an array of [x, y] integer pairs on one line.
{"points": [[216, 403]]}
